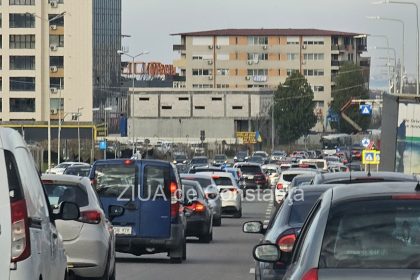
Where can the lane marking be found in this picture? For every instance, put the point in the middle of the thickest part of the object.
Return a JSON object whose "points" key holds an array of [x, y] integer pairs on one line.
{"points": [[252, 270], [266, 221]]}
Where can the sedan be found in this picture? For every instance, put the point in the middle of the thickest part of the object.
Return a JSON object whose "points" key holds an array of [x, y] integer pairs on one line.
{"points": [[90, 241], [198, 212]]}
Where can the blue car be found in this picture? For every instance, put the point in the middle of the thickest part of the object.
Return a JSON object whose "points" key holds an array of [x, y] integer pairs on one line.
{"points": [[150, 193]]}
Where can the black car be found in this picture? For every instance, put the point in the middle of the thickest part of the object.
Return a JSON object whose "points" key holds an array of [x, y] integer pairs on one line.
{"points": [[199, 161], [78, 170], [198, 212], [284, 227], [180, 158], [253, 175], [219, 160], [241, 156]]}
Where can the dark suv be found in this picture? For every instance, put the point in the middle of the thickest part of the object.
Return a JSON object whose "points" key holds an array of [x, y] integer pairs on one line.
{"points": [[254, 177]]}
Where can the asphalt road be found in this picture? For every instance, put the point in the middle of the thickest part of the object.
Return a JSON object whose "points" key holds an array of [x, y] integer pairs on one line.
{"points": [[229, 256]]}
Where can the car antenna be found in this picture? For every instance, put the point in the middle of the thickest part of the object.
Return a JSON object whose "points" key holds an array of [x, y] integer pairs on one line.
{"points": [[417, 189], [351, 156]]}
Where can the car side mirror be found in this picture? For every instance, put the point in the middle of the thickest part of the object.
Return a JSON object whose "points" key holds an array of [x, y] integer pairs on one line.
{"points": [[267, 253], [253, 227], [115, 211], [69, 211]]}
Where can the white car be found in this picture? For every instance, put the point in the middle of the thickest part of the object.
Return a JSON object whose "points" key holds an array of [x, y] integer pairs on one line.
{"points": [[286, 179], [59, 169], [89, 242], [273, 172], [31, 247], [229, 191], [320, 163]]}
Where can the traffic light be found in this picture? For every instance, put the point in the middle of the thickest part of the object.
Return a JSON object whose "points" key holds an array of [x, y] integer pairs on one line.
{"points": [[202, 135]]}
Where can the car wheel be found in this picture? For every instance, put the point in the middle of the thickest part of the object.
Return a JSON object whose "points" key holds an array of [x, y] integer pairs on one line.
{"points": [[207, 238], [217, 222], [184, 251], [177, 254], [238, 214]]}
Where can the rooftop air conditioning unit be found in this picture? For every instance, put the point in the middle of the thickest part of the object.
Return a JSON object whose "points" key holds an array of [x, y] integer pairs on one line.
{"points": [[54, 3], [248, 78], [53, 27], [210, 47], [53, 69], [54, 90], [210, 62], [54, 111], [210, 77], [53, 48], [265, 47], [250, 62]]}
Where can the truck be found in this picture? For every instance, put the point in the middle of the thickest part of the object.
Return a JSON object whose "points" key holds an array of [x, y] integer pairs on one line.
{"points": [[400, 137]]}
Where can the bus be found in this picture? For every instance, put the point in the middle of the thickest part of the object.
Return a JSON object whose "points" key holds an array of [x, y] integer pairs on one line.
{"points": [[331, 142]]}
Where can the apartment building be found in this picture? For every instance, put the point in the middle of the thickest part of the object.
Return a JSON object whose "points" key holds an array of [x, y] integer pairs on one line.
{"points": [[57, 57], [264, 58]]}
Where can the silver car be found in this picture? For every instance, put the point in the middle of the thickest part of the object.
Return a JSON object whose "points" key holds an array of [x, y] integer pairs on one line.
{"points": [[90, 241]]}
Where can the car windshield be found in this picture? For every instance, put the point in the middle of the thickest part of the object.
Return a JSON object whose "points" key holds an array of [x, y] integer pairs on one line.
{"points": [[220, 158], [223, 181], [180, 157], [257, 159], [249, 169], [298, 180], [60, 192], [78, 171], [199, 161], [289, 177], [373, 234]]}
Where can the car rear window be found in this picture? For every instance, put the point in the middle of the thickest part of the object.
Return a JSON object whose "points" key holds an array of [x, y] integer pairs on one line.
{"points": [[223, 181], [373, 234], [156, 182], [204, 183], [289, 177], [116, 180], [301, 207], [199, 161], [248, 169], [15, 185], [60, 192], [192, 193]]}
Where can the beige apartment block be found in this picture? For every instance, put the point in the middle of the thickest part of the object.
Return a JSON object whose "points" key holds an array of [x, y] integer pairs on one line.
{"points": [[264, 58], [49, 54]]}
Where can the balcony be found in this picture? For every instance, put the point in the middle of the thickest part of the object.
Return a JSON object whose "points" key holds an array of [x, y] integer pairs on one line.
{"points": [[361, 48], [179, 47]]}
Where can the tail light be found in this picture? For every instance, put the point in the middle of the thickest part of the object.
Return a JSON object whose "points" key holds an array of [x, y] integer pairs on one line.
{"points": [[197, 207], [93, 182], [286, 242], [175, 207], [90, 217], [21, 246], [233, 190], [311, 275], [238, 173], [280, 186]]}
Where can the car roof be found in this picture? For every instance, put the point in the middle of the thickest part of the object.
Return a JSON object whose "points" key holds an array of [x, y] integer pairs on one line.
{"points": [[366, 190], [362, 174], [65, 178], [270, 165], [220, 174], [121, 160], [300, 170], [247, 164], [191, 182], [199, 157], [203, 175], [317, 188]]}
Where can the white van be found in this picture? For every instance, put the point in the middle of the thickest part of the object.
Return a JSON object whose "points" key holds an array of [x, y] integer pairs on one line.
{"points": [[31, 245]]}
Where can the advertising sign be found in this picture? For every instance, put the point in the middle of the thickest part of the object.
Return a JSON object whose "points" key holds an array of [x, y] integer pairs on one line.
{"points": [[248, 137]]}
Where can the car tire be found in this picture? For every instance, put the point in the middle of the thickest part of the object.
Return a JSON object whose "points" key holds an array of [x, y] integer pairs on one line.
{"points": [[176, 255], [207, 238], [184, 251], [217, 222], [238, 214]]}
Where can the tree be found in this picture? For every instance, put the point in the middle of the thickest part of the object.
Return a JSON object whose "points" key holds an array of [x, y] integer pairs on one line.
{"points": [[294, 108], [350, 84]]}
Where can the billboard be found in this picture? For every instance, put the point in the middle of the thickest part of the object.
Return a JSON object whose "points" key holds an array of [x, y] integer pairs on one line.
{"points": [[408, 139]]}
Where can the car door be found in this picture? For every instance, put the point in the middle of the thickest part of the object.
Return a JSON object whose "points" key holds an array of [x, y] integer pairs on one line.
{"points": [[5, 219], [155, 202]]}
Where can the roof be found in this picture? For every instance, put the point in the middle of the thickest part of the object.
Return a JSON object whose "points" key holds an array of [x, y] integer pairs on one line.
{"points": [[267, 32], [343, 176], [64, 178], [354, 191]]}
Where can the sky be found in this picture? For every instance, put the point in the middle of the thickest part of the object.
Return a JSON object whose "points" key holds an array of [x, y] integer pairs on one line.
{"points": [[150, 23]]}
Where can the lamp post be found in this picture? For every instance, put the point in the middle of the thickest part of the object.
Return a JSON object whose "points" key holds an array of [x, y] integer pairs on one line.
{"points": [[74, 117], [133, 57], [417, 33], [395, 61], [387, 45], [403, 44]]}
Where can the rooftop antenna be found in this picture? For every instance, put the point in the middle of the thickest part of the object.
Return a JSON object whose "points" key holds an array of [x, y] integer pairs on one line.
{"points": [[417, 189]]}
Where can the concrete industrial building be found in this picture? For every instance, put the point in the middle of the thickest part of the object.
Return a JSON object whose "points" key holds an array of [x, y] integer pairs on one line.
{"points": [[59, 56], [263, 58]]}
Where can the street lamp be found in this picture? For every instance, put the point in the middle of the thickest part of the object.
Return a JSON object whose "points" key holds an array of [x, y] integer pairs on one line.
{"points": [[395, 61], [403, 46], [417, 34], [133, 78], [76, 116], [387, 45]]}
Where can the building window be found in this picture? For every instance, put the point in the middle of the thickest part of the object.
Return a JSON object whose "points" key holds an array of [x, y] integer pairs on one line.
{"points": [[57, 61], [143, 98], [313, 42], [1, 83], [22, 84], [166, 107], [216, 99], [292, 56], [313, 72], [22, 62], [22, 105], [22, 2], [22, 41], [58, 21], [223, 72], [237, 107], [318, 88], [183, 99], [200, 107], [1, 41], [293, 40], [57, 40], [1, 105], [202, 72], [257, 72], [201, 56], [291, 71], [257, 40], [202, 86], [313, 56], [257, 56], [26, 20], [222, 86], [57, 82]]}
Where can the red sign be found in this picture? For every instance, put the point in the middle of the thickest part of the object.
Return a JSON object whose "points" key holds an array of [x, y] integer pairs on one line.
{"points": [[151, 69]]}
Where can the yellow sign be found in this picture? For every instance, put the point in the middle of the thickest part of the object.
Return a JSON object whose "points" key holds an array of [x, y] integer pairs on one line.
{"points": [[371, 157], [101, 130], [247, 137]]}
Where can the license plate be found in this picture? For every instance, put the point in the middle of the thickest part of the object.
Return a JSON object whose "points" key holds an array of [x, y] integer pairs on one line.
{"points": [[250, 177], [123, 230]]}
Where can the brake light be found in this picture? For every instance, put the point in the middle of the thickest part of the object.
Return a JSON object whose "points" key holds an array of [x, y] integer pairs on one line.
{"points": [[21, 246], [287, 242], [233, 190], [47, 182], [90, 217], [175, 207], [280, 186], [128, 162], [197, 207], [311, 275], [406, 197], [215, 177]]}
